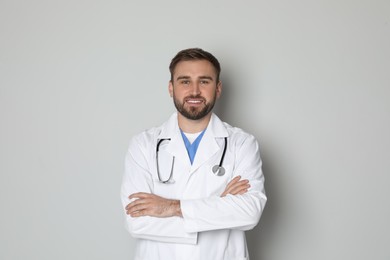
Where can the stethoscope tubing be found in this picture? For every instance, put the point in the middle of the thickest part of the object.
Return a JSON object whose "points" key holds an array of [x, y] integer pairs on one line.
{"points": [[223, 153], [218, 170]]}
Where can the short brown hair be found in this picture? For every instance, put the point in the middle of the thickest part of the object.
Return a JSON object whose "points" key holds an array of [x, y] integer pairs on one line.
{"points": [[194, 54]]}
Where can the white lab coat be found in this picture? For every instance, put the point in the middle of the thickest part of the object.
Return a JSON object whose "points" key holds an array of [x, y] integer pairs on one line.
{"points": [[212, 227]]}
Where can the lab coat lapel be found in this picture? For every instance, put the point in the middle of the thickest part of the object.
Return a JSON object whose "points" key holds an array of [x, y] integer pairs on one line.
{"points": [[208, 146], [176, 145], [206, 149]]}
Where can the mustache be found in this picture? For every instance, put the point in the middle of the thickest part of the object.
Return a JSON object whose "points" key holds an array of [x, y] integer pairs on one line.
{"points": [[195, 97]]}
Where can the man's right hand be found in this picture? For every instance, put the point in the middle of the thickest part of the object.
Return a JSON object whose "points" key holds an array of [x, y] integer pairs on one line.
{"points": [[236, 187]]}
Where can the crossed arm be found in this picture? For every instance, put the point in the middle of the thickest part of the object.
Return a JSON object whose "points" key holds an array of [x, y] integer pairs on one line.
{"points": [[147, 204]]}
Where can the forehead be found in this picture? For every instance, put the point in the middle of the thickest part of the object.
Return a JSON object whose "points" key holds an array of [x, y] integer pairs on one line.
{"points": [[195, 68]]}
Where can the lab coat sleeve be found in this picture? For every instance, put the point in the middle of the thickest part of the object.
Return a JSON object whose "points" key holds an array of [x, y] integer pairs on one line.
{"points": [[137, 178], [232, 211]]}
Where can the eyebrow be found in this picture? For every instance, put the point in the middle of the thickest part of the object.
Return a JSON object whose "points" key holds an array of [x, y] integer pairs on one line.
{"points": [[206, 77], [182, 77], [201, 77]]}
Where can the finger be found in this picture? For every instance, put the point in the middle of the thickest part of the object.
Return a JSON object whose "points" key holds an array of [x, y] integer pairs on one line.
{"points": [[135, 214], [236, 184], [135, 203], [240, 189], [237, 187], [129, 206], [136, 208], [234, 180], [230, 185], [242, 192]]}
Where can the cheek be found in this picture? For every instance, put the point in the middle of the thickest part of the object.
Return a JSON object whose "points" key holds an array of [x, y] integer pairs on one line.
{"points": [[211, 95], [179, 94]]}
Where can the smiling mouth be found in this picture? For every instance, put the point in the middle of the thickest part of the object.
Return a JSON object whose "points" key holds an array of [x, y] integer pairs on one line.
{"points": [[194, 101]]}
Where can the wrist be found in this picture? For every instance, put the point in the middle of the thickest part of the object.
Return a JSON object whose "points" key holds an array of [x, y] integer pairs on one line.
{"points": [[176, 208]]}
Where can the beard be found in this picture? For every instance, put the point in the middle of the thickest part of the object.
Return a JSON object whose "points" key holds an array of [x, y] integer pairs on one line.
{"points": [[194, 113]]}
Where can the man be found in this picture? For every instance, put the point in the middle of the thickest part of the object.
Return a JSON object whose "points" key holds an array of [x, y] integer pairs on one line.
{"points": [[193, 185]]}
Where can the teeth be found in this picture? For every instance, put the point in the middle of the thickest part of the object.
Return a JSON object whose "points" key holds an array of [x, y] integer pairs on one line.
{"points": [[194, 101]]}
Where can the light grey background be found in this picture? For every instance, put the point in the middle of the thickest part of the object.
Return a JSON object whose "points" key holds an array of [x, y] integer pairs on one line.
{"points": [[310, 79]]}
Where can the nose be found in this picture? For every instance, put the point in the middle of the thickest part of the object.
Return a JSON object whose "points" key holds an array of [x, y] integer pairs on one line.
{"points": [[195, 89]]}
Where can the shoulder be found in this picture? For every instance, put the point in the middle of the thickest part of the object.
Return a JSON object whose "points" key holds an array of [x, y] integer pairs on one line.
{"points": [[145, 138], [243, 145], [241, 140], [238, 133]]}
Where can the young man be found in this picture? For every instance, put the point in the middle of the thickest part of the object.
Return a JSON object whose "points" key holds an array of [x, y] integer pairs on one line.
{"points": [[193, 185]]}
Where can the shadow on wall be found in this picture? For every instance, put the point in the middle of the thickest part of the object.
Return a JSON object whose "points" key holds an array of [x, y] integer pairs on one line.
{"points": [[221, 108], [261, 235]]}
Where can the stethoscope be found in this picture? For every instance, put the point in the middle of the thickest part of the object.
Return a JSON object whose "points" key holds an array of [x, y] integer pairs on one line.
{"points": [[217, 169]]}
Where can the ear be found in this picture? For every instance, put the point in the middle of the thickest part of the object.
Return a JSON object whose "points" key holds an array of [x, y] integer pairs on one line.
{"points": [[219, 89], [170, 88]]}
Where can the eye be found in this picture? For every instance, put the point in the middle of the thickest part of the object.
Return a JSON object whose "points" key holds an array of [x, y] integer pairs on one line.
{"points": [[185, 82], [204, 82]]}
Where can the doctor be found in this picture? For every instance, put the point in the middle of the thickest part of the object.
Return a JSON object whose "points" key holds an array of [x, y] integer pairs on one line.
{"points": [[193, 185]]}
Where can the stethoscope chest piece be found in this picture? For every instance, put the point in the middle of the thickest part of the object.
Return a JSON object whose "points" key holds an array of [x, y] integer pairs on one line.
{"points": [[218, 170]]}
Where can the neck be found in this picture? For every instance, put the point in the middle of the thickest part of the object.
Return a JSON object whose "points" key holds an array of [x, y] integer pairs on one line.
{"points": [[193, 126]]}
